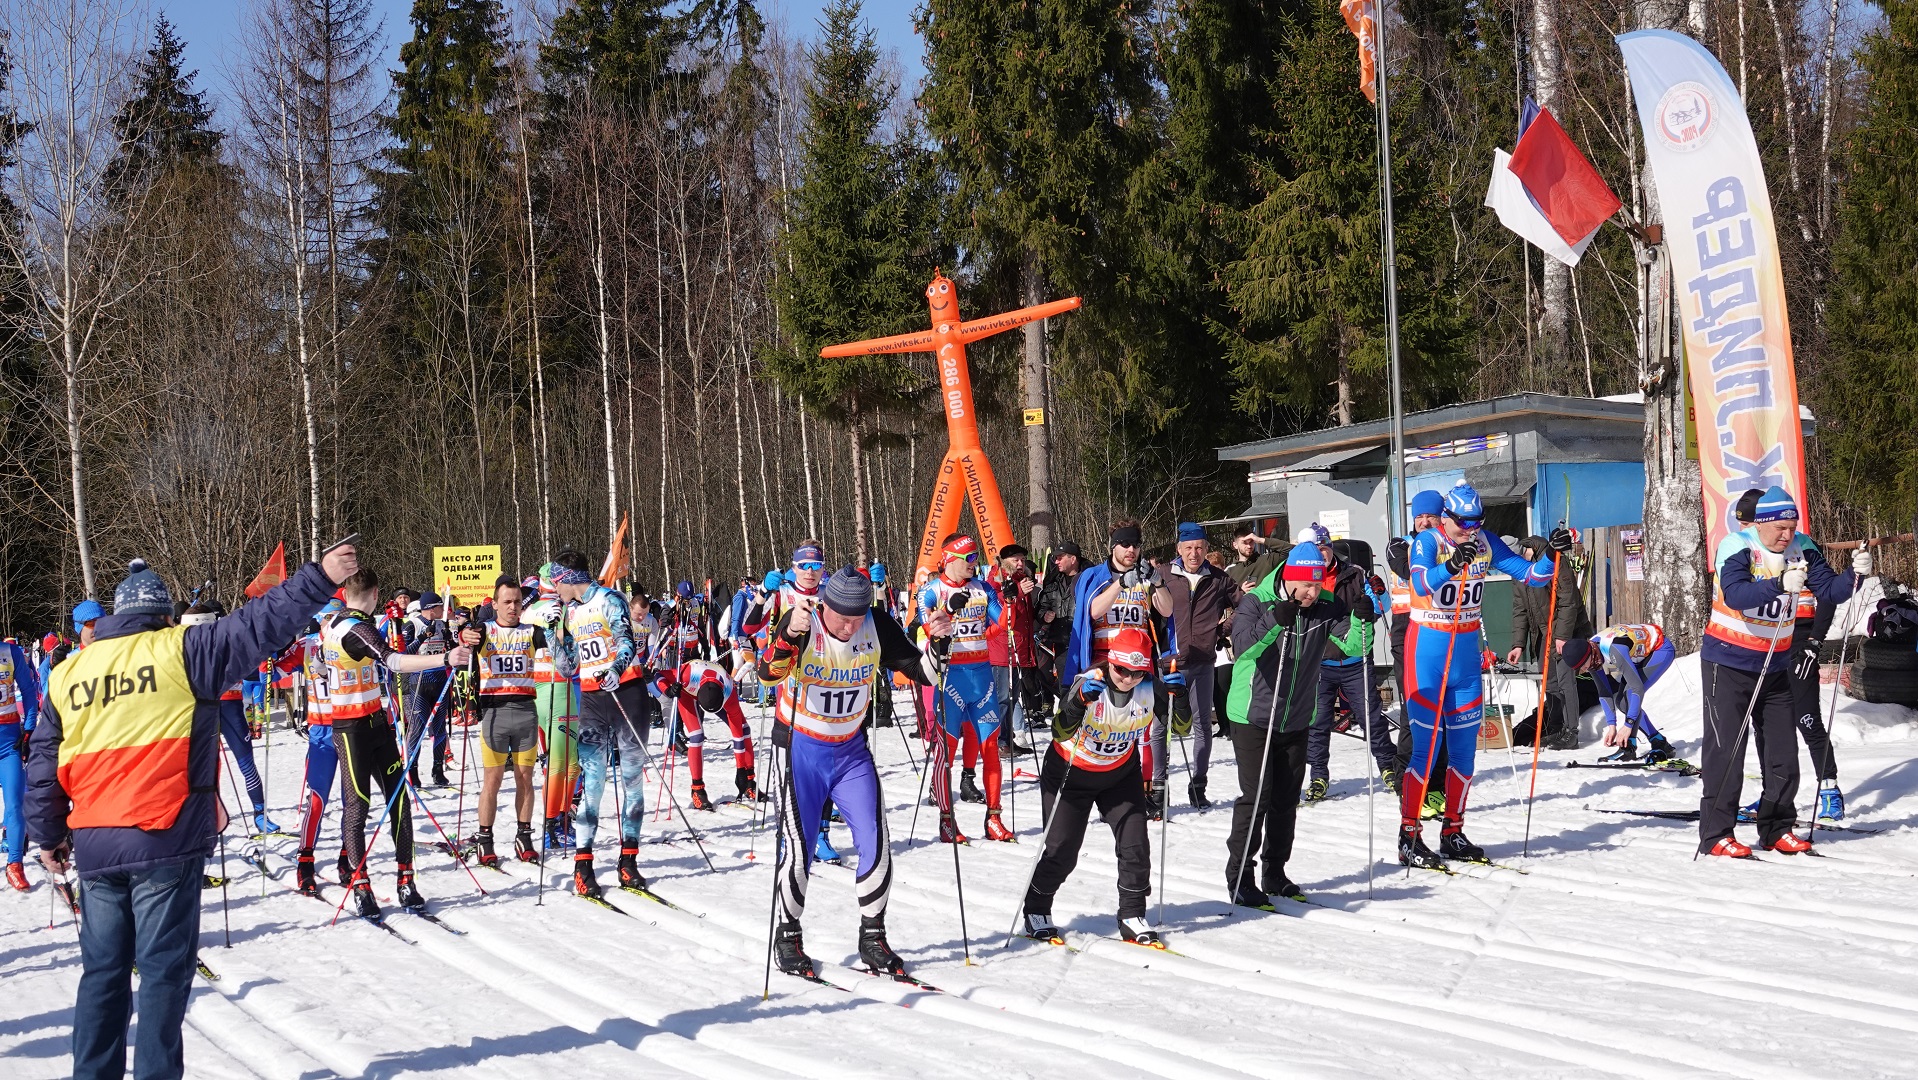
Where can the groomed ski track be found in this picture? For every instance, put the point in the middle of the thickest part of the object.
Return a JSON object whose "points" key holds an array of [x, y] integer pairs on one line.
{"points": [[1614, 955]]}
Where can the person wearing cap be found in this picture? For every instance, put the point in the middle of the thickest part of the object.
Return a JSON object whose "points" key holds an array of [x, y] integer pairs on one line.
{"points": [[1533, 610], [1279, 631], [1426, 506], [427, 634], [234, 730], [556, 701], [1203, 598], [1745, 666], [1016, 676], [687, 633], [823, 656], [1104, 718], [1809, 628], [1624, 662], [803, 580], [85, 614], [1345, 673], [597, 644], [1446, 701], [123, 787], [1053, 613], [19, 711], [1118, 593], [968, 704]]}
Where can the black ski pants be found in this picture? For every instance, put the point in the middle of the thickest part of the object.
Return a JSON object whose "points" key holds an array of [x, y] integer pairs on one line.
{"points": [[1067, 796], [369, 753], [1728, 691], [1281, 759]]}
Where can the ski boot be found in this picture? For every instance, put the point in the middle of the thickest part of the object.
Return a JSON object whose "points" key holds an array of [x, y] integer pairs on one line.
{"points": [[1135, 929], [949, 830], [822, 849], [1039, 926], [1730, 848], [629, 875], [968, 788], [1434, 805], [1749, 812], [1831, 801], [747, 785], [408, 894], [304, 882], [17, 876], [699, 800], [263, 824], [1565, 738], [1790, 844], [559, 832], [873, 950], [1454, 845], [996, 829], [523, 848], [1245, 895], [1286, 888], [1661, 752], [345, 869], [363, 903], [789, 951], [1413, 852], [1155, 800], [1627, 752], [439, 778], [584, 883], [1316, 791], [1390, 778], [483, 848], [1195, 794]]}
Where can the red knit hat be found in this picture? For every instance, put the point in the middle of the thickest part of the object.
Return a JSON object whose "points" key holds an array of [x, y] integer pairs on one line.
{"points": [[1131, 649]]}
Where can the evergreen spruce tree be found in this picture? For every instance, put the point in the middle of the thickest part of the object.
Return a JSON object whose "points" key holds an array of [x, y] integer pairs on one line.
{"points": [[1867, 401], [624, 49], [859, 247], [166, 122]]}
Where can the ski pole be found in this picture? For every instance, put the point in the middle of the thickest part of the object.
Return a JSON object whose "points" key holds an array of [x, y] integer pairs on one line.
{"points": [[226, 915], [1371, 774], [940, 706], [781, 783], [1544, 695], [1844, 640], [1252, 831], [640, 740]]}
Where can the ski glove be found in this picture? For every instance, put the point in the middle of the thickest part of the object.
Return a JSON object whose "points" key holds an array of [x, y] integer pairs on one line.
{"points": [[1357, 640], [1562, 539], [1173, 678], [1131, 577], [1091, 687], [1807, 665], [1861, 562], [1181, 722], [1398, 556], [1792, 581], [1462, 555]]}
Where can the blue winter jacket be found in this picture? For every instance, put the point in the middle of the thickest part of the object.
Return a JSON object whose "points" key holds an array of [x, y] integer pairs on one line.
{"points": [[218, 654]]}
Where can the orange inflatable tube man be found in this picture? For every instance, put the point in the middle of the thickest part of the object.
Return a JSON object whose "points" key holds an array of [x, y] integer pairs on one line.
{"points": [[965, 460]]}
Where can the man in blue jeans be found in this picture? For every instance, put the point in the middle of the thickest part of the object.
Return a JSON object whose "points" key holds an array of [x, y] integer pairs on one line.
{"points": [[122, 784]]}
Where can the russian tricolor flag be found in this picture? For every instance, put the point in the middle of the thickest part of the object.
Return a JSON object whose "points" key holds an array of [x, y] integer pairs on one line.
{"points": [[1545, 190]]}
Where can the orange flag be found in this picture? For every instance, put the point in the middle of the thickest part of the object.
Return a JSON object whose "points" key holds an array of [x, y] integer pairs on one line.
{"points": [[270, 575], [618, 561], [1358, 19]]}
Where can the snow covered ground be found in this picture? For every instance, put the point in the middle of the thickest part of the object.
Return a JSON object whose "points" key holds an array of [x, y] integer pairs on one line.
{"points": [[1618, 954]]}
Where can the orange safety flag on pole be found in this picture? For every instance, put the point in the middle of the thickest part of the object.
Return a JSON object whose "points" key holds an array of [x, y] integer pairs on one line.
{"points": [[270, 575], [1358, 19], [618, 561]]}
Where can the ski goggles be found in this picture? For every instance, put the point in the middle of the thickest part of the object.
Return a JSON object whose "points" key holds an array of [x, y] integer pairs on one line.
{"points": [[811, 564], [1469, 524]]}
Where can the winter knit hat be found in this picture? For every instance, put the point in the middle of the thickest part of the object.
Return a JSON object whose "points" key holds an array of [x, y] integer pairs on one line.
{"points": [[1190, 530], [1575, 651], [1305, 563], [85, 612], [1747, 505], [1428, 502], [1775, 505], [142, 593], [1131, 649], [848, 591], [1313, 533]]}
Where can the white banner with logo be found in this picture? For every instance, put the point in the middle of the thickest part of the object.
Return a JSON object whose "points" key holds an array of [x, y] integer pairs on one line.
{"points": [[1723, 245]]}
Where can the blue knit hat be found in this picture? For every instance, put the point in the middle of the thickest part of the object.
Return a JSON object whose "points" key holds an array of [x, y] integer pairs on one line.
{"points": [[1305, 563], [1428, 502], [85, 612], [1775, 505], [142, 593], [1189, 530]]}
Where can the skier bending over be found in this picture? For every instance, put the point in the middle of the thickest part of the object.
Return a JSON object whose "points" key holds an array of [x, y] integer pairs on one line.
{"points": [[824, 656], [1446, 703], [1107, 712], [1625, 661], [703, 689]]}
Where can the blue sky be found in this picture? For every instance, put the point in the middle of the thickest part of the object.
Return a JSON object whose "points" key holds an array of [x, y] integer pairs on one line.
{"points": [[213, 32]]}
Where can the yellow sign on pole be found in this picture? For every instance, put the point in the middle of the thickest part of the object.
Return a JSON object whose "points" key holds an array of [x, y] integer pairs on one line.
{"points": [[1035, 417], [465, 575]]}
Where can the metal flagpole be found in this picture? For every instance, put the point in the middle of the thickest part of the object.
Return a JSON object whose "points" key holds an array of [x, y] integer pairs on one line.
{"points": [[1396, 475]]}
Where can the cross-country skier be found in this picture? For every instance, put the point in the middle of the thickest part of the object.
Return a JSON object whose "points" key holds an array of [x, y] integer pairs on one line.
{"points": [[1426, 507], [509, 719], [822, 656], [19, 711], [234, 729], [357, 658], [703, 689], [1108, 598], [796, 586], [596, 644], [1094, 762], [1279, 631], [1745, 665], [689, 629], [556, 700], [1624, 661], [969, 706], [322, 755], [1446, 703]]}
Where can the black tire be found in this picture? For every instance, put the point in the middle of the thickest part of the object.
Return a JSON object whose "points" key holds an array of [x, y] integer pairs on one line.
{"points": [[1887, 656], [1885, 687]]}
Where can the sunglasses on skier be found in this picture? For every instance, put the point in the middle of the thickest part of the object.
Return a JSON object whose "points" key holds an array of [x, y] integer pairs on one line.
{"points": [[1469, 524], [809, 566]]}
